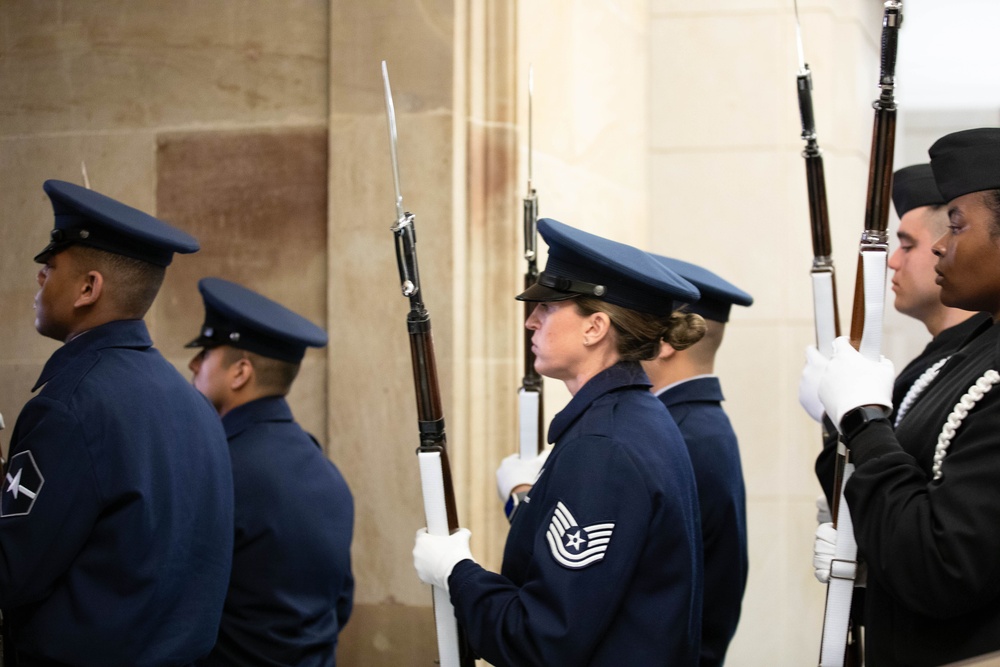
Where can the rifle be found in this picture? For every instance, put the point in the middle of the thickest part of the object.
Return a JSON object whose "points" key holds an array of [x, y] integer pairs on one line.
{"points": [[435, 473], [530, 403], [866, 318]]}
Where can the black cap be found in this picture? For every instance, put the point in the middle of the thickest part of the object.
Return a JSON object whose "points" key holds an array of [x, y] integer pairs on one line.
{"points": [[91, 219], [717, 294], [244, 319], [966, 161], [584, 264], [913, 187]]}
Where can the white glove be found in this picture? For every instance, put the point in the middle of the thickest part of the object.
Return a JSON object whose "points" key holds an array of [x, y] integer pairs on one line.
{"points": [[823, 514], [826, 546], [812, 373], [435, 556], [515, 471], [851, 381]]}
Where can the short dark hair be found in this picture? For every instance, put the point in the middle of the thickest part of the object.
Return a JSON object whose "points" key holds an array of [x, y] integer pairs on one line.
{"points": [[133, 284], [638, 335], [273, 376]]}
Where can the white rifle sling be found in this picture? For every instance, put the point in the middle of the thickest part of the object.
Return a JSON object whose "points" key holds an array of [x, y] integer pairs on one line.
{"points": [[824, 311], [527, 403], [843, 569], [432, 485]]}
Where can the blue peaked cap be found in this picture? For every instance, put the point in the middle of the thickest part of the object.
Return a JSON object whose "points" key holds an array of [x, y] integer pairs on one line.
{"points": [[88, 218], [584, 264], [717, 294], [242, 318]]}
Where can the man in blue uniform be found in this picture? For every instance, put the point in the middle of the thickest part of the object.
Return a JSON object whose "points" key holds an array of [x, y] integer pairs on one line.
{"points": [[685, 381], [117, 502], [291, 589]]}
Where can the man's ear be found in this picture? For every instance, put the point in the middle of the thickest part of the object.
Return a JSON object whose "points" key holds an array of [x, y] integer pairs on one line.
{"points": [[91, 287], [240, 374]]}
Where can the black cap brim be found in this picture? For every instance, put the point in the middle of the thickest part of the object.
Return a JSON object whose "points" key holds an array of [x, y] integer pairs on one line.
{"points": [[539, 292]]}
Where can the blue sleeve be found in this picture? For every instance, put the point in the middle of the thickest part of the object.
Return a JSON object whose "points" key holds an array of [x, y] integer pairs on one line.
{"points": [[40, 536], [566, 602]]}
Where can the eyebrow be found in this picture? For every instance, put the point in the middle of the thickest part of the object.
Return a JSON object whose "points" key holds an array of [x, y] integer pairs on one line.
{"points": [[905, 236]]}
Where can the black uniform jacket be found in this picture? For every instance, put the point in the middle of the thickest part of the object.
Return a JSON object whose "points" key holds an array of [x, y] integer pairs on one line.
{"points": [[696, 406], [603, 563], [933, 547]]}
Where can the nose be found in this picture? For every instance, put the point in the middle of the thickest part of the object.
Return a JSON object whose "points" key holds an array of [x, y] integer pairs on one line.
{"points": [[40, 277], [939, 247], [195, 362], [532, 323], [894, 259]]}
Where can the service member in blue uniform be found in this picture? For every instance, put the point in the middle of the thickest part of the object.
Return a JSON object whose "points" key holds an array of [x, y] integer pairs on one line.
{"points": [[117, 505], [291, 589], [923, 497], [603, 562], [685, 381]]}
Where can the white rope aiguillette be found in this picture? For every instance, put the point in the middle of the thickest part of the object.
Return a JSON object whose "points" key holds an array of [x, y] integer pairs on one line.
{"points": [[958, 415]]}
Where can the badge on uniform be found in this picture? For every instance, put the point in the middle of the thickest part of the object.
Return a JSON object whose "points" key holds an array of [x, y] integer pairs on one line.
{"points": [[23, 483], [575, 546]]}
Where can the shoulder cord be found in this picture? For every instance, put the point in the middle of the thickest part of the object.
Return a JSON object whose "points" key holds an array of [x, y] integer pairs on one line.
{"points": [[918, 387], [961, 411]]}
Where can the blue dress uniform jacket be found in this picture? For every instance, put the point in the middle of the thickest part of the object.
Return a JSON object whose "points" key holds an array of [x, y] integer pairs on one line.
{"points": [[603, 563], [291, 588], [933, 594], [117, 509], [696, 406]]}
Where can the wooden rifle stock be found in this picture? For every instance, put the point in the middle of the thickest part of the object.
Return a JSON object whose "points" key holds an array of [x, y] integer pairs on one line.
{"points": [[435, 472]]}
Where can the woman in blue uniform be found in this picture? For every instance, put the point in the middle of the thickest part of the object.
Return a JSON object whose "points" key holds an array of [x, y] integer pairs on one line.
{"points": [[603, 563]]}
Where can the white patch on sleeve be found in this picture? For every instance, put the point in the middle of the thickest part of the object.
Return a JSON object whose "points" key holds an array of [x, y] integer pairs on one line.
{"points": [[574, 546]]}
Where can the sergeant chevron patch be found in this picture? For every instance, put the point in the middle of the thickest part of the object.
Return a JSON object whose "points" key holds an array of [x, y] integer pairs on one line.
{"points": [[23, 484], [574, 546]]}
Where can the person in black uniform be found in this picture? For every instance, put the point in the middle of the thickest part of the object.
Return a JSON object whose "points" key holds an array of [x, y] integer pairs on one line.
{"points": [[603, 562], [117, 506], [923, 218], [924, 499], [685, 382], [291, 589]]}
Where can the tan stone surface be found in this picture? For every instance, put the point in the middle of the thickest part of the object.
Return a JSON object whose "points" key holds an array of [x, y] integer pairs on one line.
{"points": [[107, 64], [389, 635]]}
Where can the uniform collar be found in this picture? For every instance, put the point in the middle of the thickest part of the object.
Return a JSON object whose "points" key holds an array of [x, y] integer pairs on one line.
{"points": [[121, 333], [700, 388], [622, 374], [267, 409]]}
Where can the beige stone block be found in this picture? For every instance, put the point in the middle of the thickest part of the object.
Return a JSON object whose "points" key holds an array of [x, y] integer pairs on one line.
{"points": [[590, 113], [308, 397], [414, 37], [374, 428], [100, 65], [119, 165], [748, 102], [388, 634], [733, 213], [257, 202], [781, 619], [16, 380]]}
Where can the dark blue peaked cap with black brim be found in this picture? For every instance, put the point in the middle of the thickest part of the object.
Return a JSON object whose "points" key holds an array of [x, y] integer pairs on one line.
{"points": [[242, 318], [88, 218], [718, 295], [582, 264]]}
